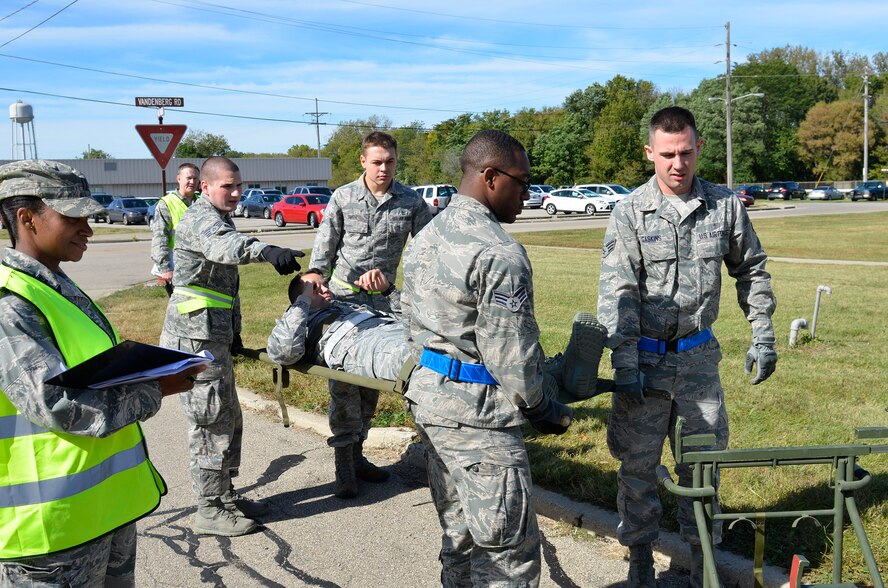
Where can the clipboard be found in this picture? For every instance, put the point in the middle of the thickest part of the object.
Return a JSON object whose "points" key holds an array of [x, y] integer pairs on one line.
{"points": [[128, 362]]}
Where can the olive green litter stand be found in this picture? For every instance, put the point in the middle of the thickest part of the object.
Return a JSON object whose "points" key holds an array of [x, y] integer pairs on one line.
{"points": [[847, 478]]}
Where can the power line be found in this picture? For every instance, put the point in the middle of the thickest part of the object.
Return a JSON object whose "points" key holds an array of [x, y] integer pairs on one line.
{"points": [[47, 19], [524, 23], [14, 12], [372, 34]]}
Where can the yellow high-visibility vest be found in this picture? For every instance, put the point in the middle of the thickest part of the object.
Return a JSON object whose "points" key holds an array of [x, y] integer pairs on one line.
{"points": [[177, 208], [59, 490]]}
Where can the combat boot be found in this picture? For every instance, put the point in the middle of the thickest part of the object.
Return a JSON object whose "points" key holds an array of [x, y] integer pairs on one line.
{"points": [[582, 355], [641, 566], [212, 518], [365, 470], [234, 502], [346, 485]]}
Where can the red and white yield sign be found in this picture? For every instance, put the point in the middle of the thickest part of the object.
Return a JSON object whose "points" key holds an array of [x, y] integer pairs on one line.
{"points": [[161, 140]]}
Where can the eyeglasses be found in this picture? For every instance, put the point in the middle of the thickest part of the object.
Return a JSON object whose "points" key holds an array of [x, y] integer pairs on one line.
{"points": [[525, 184]]}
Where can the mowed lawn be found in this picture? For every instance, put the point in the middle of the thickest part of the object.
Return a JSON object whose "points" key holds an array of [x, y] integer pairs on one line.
{"points": [[821, 391]]}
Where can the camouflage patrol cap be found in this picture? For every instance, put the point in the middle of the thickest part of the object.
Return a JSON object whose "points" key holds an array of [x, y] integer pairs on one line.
{"points": [[61, 187]]}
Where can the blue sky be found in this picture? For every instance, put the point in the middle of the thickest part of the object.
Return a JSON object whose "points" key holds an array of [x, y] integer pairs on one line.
{"points": [[403, 60]]}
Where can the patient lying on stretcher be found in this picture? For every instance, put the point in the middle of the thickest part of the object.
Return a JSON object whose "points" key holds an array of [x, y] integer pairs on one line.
{"points": [[367, 342]]}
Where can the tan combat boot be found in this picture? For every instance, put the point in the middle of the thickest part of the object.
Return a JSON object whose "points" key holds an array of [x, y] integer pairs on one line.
{"points": [[212, 518]]}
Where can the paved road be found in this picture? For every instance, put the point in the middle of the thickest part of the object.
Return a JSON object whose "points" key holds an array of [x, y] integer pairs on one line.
{"points": [[388, 537]]}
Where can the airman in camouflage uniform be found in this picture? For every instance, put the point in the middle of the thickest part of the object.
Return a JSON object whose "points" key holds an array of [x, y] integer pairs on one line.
{"points": [[204, 314], [340, 335], [658, 297], [163, 227], [42, 201], [358, 245], [469, 308]]}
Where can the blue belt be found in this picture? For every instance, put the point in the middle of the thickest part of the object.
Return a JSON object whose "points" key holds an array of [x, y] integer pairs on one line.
{"points": [[661, 346], [456, 370]]}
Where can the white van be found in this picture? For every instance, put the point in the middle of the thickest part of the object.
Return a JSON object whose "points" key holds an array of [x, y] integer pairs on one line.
{"points": [[437, 196]]}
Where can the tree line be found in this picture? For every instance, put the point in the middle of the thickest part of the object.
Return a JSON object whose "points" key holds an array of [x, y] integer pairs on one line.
{"points": [[808, 126]]}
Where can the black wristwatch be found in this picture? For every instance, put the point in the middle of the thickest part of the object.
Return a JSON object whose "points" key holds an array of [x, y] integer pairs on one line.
{"points": [[388, 290]]}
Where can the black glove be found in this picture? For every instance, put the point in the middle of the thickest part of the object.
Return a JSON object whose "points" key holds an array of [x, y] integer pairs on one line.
{"points": [[549, 417], [283, 260], [237, 344], [627, 382]]}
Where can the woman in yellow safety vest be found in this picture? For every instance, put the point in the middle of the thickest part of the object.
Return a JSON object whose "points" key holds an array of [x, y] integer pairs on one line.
{"points": [[74, 468]]}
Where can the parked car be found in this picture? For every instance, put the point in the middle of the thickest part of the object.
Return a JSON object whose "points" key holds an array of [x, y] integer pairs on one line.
{"points": [[611, 192], [754, 191], [104, 200], [129, 211], [258, 202], [239, 209], [872, 190], [305, 209], [151, 201], [826, 193], [312, 190], [575, 200], [437, 196], [537, 193], [746, 199], [786, 191]]}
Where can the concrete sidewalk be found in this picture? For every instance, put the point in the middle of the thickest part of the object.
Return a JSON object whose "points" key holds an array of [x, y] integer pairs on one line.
{"points": [[388, 537]]}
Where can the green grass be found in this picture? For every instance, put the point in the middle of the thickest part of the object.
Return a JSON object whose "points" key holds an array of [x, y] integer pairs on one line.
{"points": [[822, 389]]}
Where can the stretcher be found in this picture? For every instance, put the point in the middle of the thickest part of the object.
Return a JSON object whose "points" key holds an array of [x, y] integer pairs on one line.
{"points": [[847, 478], [280, 376]]}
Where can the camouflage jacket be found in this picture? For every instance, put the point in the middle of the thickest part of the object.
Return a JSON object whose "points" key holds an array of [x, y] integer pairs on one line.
{"points": [[661, 275], [207, 252], [29, 356], [468, 293], [304, 332], [161, 230], [360, 233]]}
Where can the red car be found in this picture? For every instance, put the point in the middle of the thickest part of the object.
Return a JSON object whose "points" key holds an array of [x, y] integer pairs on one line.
{"points": [[300, 208], [746, 199]]}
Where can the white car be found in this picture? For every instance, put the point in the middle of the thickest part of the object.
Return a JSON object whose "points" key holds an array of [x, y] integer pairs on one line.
{"points": [[825, 193], [611, 192], [537, 194], [573, 200]]}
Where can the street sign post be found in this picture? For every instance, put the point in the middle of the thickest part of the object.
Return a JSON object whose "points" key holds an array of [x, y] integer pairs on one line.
{"points": [[161, 140]]}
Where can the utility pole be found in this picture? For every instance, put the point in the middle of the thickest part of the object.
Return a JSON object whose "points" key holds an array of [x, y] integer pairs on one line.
{"points": [[865, 125], [317, 123], [729, 139]]}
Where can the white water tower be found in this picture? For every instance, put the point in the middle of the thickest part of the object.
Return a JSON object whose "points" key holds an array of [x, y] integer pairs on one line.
{"points": [[24, 141]]}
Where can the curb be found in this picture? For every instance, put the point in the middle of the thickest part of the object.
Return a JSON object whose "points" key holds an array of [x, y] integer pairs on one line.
{"points": [[734, 570]]}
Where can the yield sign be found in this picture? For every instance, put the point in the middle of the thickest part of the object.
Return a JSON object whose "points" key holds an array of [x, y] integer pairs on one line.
{"points": [[161, 140]]}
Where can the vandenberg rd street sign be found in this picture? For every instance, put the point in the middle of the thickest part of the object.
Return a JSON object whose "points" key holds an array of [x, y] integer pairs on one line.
{"points": [[155, 102]]}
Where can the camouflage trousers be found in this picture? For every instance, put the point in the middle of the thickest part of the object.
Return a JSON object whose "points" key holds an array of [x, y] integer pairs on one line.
{"points": [[481, 486], [635, 436], [379, 352], [351, 412], [107, 561], [215, 421]]}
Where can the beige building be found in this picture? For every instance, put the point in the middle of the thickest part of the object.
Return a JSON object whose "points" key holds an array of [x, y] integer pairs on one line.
{"points": [[142, 177]]}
